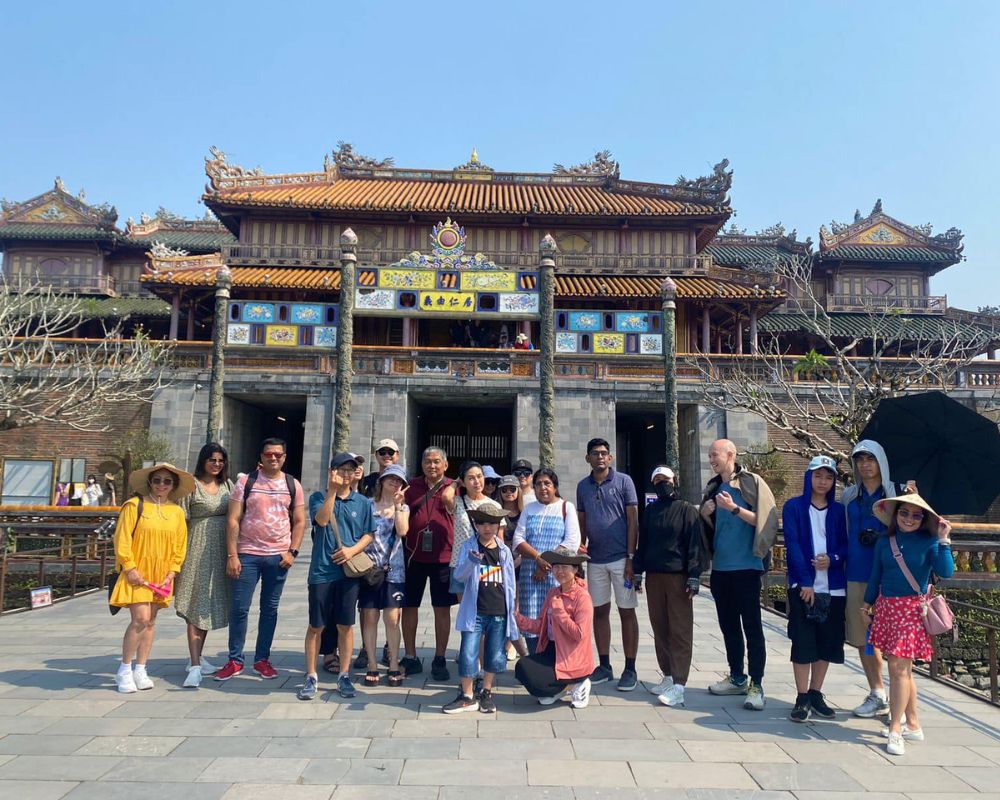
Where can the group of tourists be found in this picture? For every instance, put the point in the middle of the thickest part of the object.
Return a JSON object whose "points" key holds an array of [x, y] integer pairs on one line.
{"points": [[532, 573]]}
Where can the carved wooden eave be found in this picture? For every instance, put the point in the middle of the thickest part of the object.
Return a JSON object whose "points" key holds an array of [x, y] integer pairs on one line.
{"points": [[773, 236], [156, 224], [162, 266]]}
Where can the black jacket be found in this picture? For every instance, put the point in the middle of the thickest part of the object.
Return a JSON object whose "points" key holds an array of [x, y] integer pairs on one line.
{"points": [[670, 539]]}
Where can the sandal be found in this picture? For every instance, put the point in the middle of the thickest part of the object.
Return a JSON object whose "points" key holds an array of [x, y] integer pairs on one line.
{"points": [[395, 678], [332, 665], [371, 677]]}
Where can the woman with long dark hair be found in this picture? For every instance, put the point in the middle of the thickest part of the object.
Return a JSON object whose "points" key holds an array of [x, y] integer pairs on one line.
{"points": [[921, 541], [544, 525], [204, 592], [472, 494]]}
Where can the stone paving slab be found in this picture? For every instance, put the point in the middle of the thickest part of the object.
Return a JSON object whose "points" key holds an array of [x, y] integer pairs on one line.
{"points": [[66, 733]]}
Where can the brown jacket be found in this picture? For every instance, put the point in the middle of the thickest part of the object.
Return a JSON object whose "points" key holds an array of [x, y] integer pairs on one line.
{"points": [[758, 496]]}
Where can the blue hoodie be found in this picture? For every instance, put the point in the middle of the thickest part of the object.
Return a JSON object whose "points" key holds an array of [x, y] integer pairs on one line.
{"points": [[799, 550]]}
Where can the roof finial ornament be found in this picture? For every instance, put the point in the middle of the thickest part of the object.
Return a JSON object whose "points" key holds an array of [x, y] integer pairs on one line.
{"points": [[601, 164], [344, 156], [60, 186], [877, 208], [857, 215], [473, 164], [474, 158]]}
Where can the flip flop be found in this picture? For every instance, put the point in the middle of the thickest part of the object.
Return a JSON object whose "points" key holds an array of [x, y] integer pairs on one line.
{"points": [[372, 678], [395, 678]]}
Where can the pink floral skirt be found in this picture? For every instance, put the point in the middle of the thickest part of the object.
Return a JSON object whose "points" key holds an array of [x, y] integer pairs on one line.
{"points": [[898, 628]]}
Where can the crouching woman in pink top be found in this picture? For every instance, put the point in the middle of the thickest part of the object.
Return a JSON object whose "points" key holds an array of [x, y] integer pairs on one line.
{"points": [[563, 660]]}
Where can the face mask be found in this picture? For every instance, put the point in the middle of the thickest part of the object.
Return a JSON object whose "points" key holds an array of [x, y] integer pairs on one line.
{"points": [[664, 491]]}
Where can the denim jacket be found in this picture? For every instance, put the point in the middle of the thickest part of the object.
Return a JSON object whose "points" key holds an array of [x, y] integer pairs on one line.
{"points": [[467, 572]]}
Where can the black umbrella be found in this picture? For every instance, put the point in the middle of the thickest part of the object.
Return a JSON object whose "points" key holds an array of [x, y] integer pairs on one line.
{"points": [[952, 452]]}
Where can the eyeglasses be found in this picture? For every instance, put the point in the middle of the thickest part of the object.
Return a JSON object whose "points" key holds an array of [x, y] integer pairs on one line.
{"points": [[509, 489], [275, 456], [386, 452], [522, 473], [600, 454], [916, 516], [162, 481], [216, 460]]}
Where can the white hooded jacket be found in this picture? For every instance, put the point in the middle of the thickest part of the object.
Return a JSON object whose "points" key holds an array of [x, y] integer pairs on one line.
{"points": [[874, 448]]}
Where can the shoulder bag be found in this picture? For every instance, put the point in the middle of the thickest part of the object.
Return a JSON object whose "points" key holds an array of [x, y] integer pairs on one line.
{"points": [[113, 577], [937, 614], [359, 565]]}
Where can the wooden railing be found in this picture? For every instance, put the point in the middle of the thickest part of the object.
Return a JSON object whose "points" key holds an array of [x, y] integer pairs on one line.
{"points": [[931, 304]]}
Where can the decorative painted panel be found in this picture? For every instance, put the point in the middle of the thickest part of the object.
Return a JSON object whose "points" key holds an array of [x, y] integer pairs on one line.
{"points": [[258, 312], [306, 314], [447, 301], [565, 342], [407, 279], [489, 281], [324, 337], [650, 344], [632, 322], [519, 303], [380, 299], [585, 320], [609, 343], [238, 334], [281, 336]]}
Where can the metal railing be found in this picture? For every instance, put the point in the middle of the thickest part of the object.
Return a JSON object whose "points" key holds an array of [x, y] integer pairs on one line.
{"points": [[94, 554], [930, 304]]}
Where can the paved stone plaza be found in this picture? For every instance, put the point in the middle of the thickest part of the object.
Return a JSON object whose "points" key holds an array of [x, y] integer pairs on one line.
{"points": [[65, 732]]}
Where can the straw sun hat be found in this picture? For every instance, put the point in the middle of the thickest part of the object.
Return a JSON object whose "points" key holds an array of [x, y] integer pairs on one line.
{"points": [[886, 509], [138, 481]]}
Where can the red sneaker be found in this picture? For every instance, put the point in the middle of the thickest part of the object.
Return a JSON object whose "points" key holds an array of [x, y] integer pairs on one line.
{"points": [[265, 670], [232, 668]]}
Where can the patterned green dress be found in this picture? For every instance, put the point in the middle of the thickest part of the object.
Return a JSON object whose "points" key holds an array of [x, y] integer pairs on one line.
{"points": [[202, 591]]}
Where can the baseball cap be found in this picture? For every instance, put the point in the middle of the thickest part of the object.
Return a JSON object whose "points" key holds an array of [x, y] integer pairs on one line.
{"points": [[822, 462], [390, 443], [666, 472], [395, 471], [490, 474], [522, 463], [510, 481], [344, 458]]}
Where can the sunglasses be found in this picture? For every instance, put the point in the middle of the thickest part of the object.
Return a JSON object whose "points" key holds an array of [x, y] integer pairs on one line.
{"points": [[275, 456], [385, 451], [916, 516], [162, 481], [509, 489], [522, 473]]}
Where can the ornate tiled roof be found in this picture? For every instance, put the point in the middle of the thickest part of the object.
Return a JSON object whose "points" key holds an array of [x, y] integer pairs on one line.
{"points": [[688, 288], [356, 184], [124, 307], [195, 236], [736, 248], [57, 215], [879, 238]]}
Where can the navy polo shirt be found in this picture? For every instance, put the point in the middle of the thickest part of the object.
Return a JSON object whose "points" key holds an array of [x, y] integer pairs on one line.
{"points": [[603, 505]]}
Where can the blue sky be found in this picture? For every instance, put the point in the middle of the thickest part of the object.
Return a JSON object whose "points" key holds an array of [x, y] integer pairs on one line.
{"points": [[820, 107]]}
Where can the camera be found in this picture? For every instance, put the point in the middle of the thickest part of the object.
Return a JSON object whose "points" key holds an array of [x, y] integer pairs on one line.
{"points": [[868, 537]]}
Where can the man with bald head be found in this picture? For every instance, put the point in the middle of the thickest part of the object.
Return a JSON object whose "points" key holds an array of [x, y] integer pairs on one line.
{"points": [[741, 524]]}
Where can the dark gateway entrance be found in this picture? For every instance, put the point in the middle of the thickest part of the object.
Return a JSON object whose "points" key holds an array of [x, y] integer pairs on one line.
{"points": [[477, 430]]}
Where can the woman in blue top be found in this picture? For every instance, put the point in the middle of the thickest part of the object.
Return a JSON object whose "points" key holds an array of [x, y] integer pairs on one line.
{"points": [[898, 628], [816, 548]]}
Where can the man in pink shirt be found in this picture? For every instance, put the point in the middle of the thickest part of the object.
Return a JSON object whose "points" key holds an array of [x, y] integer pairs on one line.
{"points": [[266, 522]]}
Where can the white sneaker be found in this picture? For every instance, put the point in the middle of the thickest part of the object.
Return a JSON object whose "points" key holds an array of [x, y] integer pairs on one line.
{"points": [[141, 679], [125, 682], [908, 734], [755, 697], [662, 686], [548, 701], [674, 696], [896, 746], [581, 694], [872, 706], [193, 679], [207, 667]]}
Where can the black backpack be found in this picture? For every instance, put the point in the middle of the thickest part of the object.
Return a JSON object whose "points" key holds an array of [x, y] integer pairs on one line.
{"points": [[252, 479]]}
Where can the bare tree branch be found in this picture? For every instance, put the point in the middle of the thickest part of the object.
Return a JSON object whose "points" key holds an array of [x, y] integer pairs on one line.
{"points": [[45, 378]]}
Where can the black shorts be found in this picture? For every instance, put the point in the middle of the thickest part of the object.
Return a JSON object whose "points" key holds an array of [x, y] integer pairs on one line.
{"points": [[417, 575], [816, 641], [385, 595], [334, 602]]}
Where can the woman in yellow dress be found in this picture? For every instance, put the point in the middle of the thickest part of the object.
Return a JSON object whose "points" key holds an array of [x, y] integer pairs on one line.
{"points": [[148, 556]]}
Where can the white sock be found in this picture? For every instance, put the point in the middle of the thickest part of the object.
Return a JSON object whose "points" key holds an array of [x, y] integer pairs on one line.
{"points": [[879, 693], [312, 675], [140, 668], [124, 666]]}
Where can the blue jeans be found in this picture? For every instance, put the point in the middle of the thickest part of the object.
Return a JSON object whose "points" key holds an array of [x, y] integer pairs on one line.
{"points": [[494, 629], [271, 575]]}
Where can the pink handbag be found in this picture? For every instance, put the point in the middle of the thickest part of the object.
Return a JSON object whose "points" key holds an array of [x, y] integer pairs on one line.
{"points": [[937, 614]]}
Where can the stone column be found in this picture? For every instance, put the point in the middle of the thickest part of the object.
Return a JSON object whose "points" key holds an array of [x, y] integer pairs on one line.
{"points": [[706, 331], [739, 335], [547, 250], [223, 282], [753, 330], [175, 316], [192, 307], [668, 294], [345, 343]]}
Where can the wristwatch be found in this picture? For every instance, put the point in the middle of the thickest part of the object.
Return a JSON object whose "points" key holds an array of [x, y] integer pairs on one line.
{"points": [[295, 553], [630, 556], [735, 512]]}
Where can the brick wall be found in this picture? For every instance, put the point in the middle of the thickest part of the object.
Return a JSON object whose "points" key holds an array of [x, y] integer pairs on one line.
{"points": [[53, 441]]}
